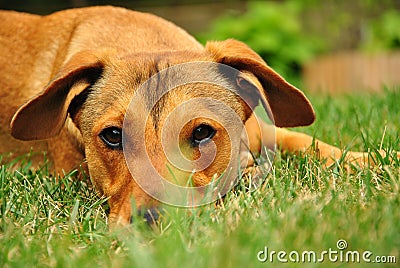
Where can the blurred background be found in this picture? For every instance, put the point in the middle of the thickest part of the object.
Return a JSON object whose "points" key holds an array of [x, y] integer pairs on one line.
{"points": [[323, 46]]}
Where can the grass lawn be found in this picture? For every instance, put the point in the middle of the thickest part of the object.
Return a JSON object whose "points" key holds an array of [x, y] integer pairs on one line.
{"points": [[301, 209]]}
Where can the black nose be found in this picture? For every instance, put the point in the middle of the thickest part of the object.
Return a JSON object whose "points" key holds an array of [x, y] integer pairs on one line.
{"points": [[151, 215]]}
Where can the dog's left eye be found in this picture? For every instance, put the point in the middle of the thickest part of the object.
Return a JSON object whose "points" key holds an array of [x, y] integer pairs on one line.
{"points": [[112, 137]]}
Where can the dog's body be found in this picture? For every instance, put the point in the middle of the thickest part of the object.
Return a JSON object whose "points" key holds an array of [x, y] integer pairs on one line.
{"points": [[74, 73]]}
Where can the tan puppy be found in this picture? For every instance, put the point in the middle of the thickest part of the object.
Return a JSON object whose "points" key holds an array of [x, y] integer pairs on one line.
{"points": [[67, 79]]}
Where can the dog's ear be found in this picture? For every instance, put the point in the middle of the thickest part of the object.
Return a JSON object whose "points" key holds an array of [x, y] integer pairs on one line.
{"points": [[288, 105], [43, 116]]}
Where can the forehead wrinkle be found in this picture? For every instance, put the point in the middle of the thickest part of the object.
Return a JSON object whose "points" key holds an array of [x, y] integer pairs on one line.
{"points": [[155, 103], [142, 67], [177, 96]]}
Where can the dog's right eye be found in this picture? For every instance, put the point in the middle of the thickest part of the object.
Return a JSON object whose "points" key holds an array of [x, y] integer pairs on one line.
{"points": [[112, 137], [202, 134]]}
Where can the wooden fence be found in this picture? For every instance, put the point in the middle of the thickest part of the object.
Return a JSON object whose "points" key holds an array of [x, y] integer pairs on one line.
{"points": [[353, 71]]}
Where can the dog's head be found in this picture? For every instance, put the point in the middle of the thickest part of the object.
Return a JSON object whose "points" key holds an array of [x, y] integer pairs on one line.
{"points": [[112, 103]]}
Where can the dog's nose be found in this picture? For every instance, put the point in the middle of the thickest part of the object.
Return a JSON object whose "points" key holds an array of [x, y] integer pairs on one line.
{"points": [[151, 215]]}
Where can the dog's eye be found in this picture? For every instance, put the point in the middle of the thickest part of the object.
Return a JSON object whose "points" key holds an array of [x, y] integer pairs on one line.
{"points": [[202, 133], [112, 137]]}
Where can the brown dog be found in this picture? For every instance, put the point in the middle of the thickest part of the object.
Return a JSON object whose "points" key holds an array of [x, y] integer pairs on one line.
{"points": [[67, 80]]}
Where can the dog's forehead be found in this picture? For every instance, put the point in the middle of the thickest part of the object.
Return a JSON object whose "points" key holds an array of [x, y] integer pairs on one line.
{"points": [[171, 85], [160, 83]]}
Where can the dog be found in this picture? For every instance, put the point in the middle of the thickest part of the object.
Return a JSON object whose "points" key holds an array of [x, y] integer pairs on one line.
{"points": [[67, 80]]}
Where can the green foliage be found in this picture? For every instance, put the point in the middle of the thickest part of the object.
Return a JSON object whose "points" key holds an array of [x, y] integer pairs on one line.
{"points": [[273, 30], [288, 34], [383, 33]]}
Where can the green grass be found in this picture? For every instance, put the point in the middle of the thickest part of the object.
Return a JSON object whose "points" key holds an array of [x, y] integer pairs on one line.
{"points": [[48, 222]]}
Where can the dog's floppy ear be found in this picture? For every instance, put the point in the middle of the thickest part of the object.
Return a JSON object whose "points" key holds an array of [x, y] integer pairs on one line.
{"points": [[288, 105], [43, 116]]}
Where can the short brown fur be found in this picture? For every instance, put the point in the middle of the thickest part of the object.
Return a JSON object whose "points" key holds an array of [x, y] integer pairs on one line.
{"points": [[67, 76]]}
